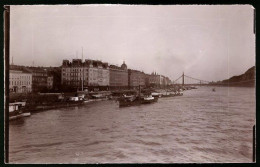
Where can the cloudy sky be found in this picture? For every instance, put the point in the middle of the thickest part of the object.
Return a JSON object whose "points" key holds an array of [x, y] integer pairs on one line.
{"points": [[208, 42]]}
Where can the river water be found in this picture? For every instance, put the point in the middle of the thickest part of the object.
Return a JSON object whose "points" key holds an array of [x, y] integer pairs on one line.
{"points": [[200, 126]]}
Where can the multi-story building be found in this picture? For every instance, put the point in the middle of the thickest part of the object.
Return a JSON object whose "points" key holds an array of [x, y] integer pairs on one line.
{"points": [[55, 73], [50, 82], [153, 80], [136, 78], [74, 73], [157, 80], [88, 73], [94, 73], [168, 81], [20, 81], [41, 81], [118, 76], [161, 80], [98, 73]]}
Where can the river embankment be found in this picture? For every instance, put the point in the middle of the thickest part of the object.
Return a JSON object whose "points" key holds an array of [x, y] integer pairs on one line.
{"points": [[37, 102]]}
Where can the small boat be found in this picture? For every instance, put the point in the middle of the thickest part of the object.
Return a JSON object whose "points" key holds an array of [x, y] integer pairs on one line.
{"points": [[99, 96], [77, 100], [168, 94], [126, 102], [179, 93], [148, 98], [96, 96], [139, 99], [16, 111], [128, 96], [88, 100], [74, 98], [26, 114], [155, 94], [213, 90]]}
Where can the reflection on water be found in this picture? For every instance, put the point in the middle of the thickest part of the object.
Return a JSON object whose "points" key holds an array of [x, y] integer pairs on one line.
{"points": [[201, 126], [18, 122]]}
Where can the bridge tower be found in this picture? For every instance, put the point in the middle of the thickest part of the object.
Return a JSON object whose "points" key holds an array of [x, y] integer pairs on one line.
{"points": [[183, 79]]}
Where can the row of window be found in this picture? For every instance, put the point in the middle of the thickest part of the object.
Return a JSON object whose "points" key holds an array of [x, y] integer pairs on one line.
{"points": [[86, 80], [72, 74], [81, 70], [20, 82], [76, 75], [20, 77], [39, 74]]}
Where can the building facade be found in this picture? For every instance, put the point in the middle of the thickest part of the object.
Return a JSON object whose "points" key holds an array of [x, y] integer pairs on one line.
{"points": [[74, 74], [55, 73], [153, 80], [136, 78], [168, 81], [88, 73], [98, 73], [50, 82], [41, 81], [20, 81], [118, 76]]}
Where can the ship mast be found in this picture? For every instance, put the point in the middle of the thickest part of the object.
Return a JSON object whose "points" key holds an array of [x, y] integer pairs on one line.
{"points": [[82, 80]]}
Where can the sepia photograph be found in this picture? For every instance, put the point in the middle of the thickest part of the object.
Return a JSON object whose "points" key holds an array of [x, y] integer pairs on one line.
{"points": [[88, 84]]}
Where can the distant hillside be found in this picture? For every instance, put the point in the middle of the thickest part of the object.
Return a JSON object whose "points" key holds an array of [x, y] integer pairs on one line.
{"points": [[246, 79]]}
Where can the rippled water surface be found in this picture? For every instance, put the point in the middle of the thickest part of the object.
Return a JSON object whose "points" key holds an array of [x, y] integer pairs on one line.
{"points": [[200, 126]]}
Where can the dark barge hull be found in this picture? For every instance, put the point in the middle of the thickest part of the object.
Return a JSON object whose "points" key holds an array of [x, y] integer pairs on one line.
{"points": [[127, 103], [171, 95], [39, 108], [15, 117]]}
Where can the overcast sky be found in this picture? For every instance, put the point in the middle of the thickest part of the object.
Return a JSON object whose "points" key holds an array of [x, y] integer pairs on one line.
{"points": [[208, 42]]}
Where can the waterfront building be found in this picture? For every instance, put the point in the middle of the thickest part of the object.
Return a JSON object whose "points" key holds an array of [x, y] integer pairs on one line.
{"points": [[118, 76], [88, 73], [55, 72], [156, 80], [49, 82], [153, 80], [41, 81], [147, 83], [168, 81], [161, 80], [73, 73], [20, 81], [136, 78], [98, 73]]}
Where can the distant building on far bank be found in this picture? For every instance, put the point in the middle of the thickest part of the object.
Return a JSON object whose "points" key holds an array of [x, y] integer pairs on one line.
{"points": [[20, 81], [118, 76], [72, 73], [41, 81], [136, 78], [156, 80], [54, 72], [168, 81], [88, 73], [153, 80], [98, 73]]}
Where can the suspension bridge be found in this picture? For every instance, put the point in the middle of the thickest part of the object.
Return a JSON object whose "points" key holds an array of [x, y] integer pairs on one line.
{"points": [[186, 80]]}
